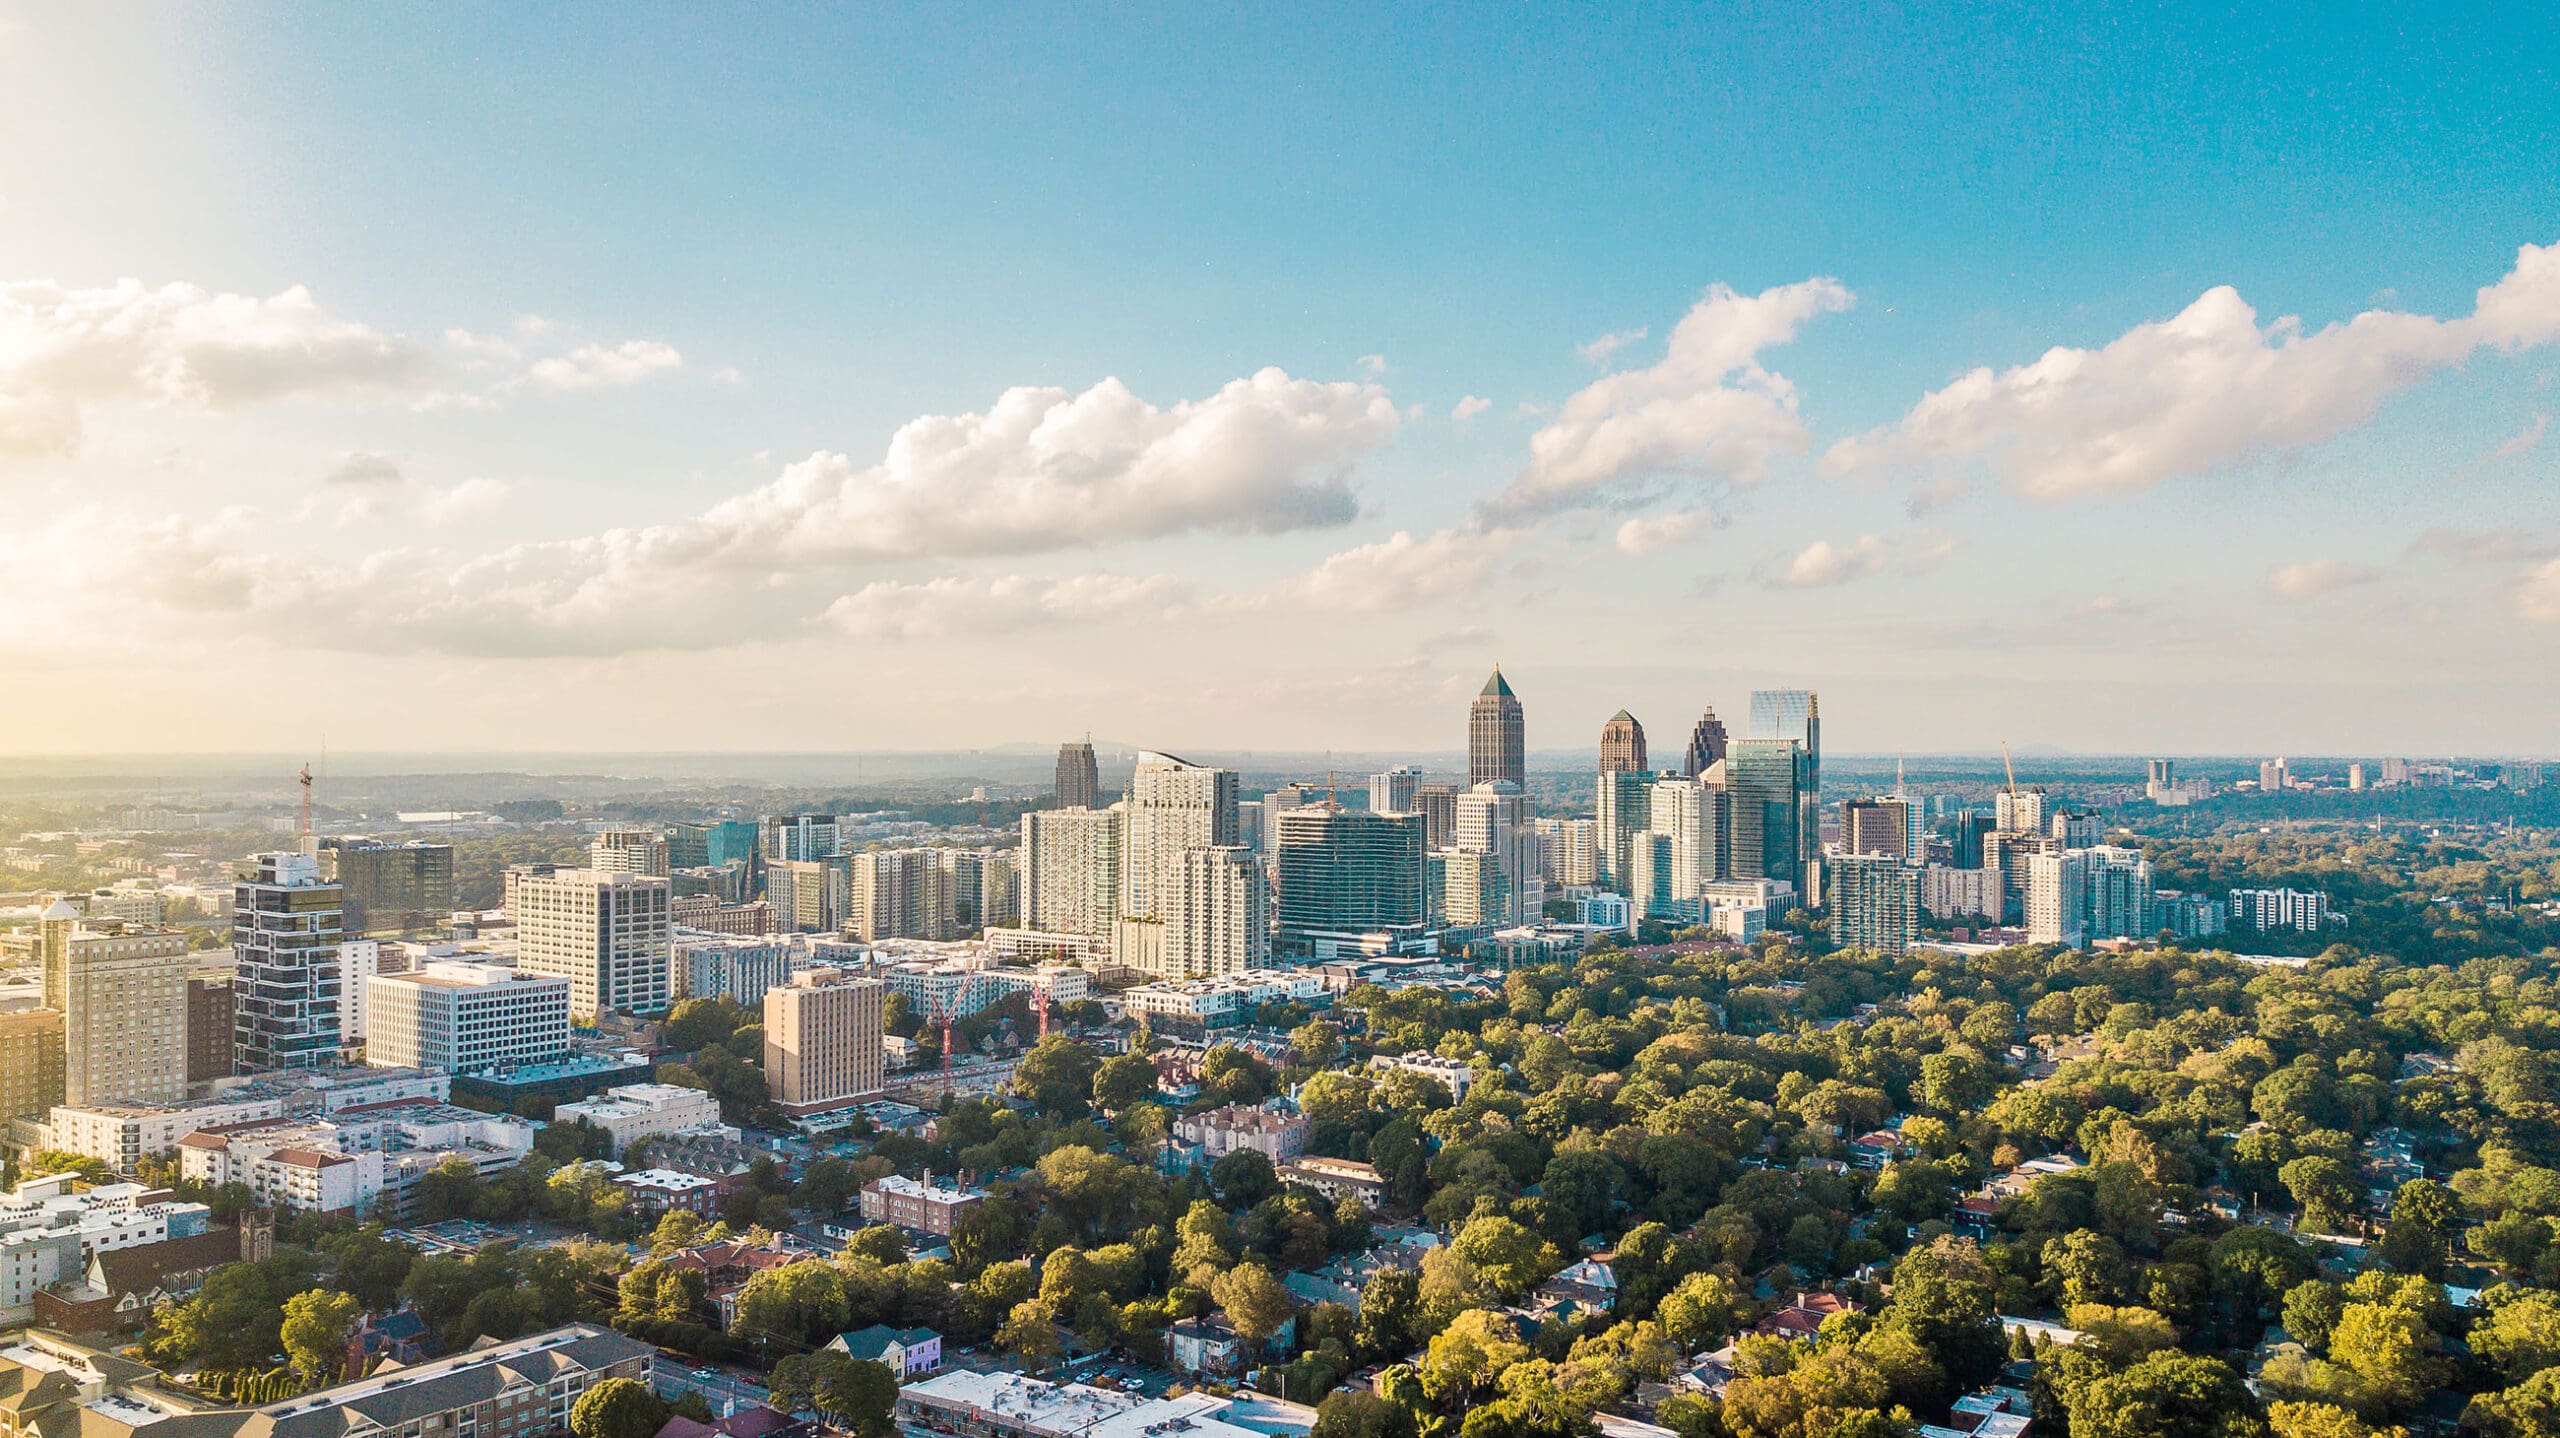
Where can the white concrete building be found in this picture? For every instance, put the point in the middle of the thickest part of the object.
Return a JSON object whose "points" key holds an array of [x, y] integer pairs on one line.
{"points": [[1071, 872], [633, 1112], [1455, 1073], [466, 1018], [737, 967], [1217, 913], [607, 934], [358, 961]]}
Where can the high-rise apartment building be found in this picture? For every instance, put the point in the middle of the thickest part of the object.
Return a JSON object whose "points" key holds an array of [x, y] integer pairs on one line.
{"points": [[211, 1025], [1707, 741], [1348, 871], [1493, 820], [459, 1018], [1216, 914], [1079, 776], [1625, 809], [2056, 897], [1393, 792], [1288, 797], [286, 923], [1876, 826], [2274, 776], [809, 896], [1437, 801], [2120, 903], [629, 851], [900, 894], [2021, 811], [1622, 745], [801, 836], [1174, 805], [1568, 851], [1071, 871], [2395, 773], [1875, 902], [607, 934], [32, 1062], [822, 1041], [122, 994], [1497, 741], [999, 889], [1693, 818], [390, 888]]}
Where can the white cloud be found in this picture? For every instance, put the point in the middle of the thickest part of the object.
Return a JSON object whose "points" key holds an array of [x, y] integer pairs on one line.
{"points": [[1599, 350], [2524, 440], [1373, 365], [1707, 409], [483, 349], [362, 467], [2538, 593], [1647, 533], [471, 499], [1469, 407], [1822, 564], [2203, 389], [1397, 573], [954, 605], [63, 349], [2485, 546], [2314, 577], [1044, 470], [606, 366]]}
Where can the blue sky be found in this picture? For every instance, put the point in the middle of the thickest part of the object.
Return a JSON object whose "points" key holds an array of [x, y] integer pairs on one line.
{"points": [[822, 224]]}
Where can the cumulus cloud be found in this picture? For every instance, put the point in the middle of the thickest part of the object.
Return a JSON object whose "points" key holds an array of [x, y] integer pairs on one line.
{"points": [[471, 499], [954, 605], [606, 366], [2314, 577], [1397, 573], [1599, 350], [1647, 533], [2523, 441], [1822, 563], [1373, 365], [2203, 389], [64, 349], [1706, 410], [2537, 595], [1469, 407], [2485, 546]]}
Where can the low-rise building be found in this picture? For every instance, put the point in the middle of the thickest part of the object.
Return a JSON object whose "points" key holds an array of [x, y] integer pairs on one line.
{"points": [[919, 1204], [1274, 1132], [904, 1351], [1193, 1008], [1337, 1178], [1455, 1073], [652, 1191], [634, 1112]]}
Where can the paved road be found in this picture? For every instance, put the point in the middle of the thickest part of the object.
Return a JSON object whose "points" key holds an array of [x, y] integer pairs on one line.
{"points": [[719, 1388]]}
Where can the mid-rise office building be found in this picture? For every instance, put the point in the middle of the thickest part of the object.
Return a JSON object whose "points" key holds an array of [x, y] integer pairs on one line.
{"points": [[1071, 871], [1348, 871], [1497, 739], [459, 1018], [122, 994], [286, 924], [1079, 777], [1875, 903], [607, 934], [1217, 914], [32, 1062], [389, 888], [822, 1041], [1174, 806], [1622, 745], [1393, 791]]}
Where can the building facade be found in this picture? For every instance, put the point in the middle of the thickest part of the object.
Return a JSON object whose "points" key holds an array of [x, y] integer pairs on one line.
{"points": [[1217, 914], [607, 934], [390, 888], [1071, 871], [1622, 745], [1875, 903], [466, 1018], [122, 994], [1497, 736], [286, 923], [1079, 777], [822, 1041], [1349, 871]]}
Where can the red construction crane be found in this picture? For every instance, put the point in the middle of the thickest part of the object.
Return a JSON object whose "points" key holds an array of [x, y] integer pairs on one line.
{"points": [[305, 776]]}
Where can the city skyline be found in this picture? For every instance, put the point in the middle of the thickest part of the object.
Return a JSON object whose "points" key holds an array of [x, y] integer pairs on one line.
{"points": [[1992, 408]]}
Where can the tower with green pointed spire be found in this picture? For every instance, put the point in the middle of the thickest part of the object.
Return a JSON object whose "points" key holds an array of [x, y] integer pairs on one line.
{"points": [[1497, 748]]}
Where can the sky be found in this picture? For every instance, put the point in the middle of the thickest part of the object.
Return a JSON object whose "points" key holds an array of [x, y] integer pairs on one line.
{"points": [[2118, 378]]}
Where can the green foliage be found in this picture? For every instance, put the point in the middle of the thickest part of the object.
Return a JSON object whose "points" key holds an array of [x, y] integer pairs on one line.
{"points": [[617, 1408]]}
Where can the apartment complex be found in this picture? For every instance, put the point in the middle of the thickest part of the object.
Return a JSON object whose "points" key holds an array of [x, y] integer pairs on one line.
{"points": [[919, 1204], [122, 995], [286, 923], [822, 1041]]}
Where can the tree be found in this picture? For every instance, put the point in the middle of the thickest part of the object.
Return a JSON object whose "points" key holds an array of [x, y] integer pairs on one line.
{"points": [[2530, 1409], [2419, 1237], [2085, 1267], [317, 1325], [1703, 1311], [860, 1396], [1244, 1178], [677, 1230], [2321, 1420], [1353, 1414], [1030, 1332], [828, 1186], [1468, 1354], [1316, 1043], [2521, 1332], [54, 1160], [1390, 1307], [2311, 1312], [1122, 1081], [2389, 1347], [2166, 1395], [2324, 1188], [618, 1408], [1946, 1299], [1253, 1301], [1057, 1076]]}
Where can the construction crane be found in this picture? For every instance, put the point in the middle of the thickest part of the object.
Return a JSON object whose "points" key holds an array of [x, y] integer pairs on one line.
{"points": [[2012, 767], [305, 777], [942, 1008]]}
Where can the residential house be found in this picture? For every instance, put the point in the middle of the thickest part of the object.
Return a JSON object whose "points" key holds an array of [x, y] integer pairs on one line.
{"points": [[904, 1351]]}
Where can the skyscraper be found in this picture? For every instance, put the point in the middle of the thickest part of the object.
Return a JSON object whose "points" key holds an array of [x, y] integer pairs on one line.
{"points": [[1569, 851], [1071, 871], [1692, 815], [285, 927], [607, 934], [1493, 820], [1875, 902], [1346, 871], [2020, 811], [1437, 801], [1393, 791], [801, 836], [390, 888], [1079, 778], [1706, 744], [1174, 805], [1622, 745], [1625, 808], [1217, 913], [1876, 826], [2055, 898], [1497, 745], [1787, 714], [1769, 781]]}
